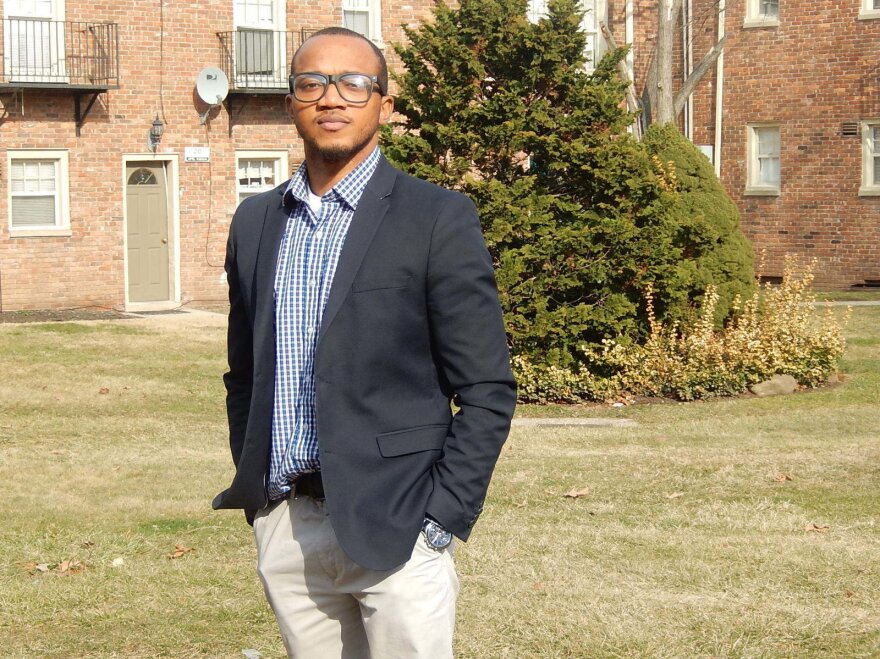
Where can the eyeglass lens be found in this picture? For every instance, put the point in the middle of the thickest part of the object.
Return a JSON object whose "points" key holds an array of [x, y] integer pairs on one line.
{"points": [[352, 87]]}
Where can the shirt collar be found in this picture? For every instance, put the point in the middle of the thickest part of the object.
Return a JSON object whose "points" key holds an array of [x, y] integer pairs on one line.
{"points": [[348, 190]]}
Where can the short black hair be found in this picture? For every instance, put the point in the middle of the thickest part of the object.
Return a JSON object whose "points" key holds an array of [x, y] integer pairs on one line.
{"points": [[345, 32]]}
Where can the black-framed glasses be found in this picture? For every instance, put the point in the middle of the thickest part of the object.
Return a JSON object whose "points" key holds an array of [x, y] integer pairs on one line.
{"points": [[352, 87]]}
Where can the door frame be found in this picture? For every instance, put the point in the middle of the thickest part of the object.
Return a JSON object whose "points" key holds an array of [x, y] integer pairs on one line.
{"points": [[170, 162]]}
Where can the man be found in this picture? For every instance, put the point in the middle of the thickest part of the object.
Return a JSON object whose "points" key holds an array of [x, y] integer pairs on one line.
{"points": [[362, 302]]}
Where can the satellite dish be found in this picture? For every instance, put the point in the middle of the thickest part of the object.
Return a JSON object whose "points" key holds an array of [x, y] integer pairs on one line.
{"points": [[212, 86]]}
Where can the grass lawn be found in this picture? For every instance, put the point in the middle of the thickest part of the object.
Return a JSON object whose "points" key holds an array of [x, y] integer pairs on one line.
{"points": [[735, 528]]}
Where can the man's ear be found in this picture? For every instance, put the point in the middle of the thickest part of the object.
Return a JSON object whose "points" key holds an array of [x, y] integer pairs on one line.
{"points": [[288, 104], [386, 109]]}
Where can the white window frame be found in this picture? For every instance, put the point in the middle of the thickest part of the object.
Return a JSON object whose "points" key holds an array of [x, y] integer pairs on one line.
{"points": [[870, 151], [867, 11], [62, 192], [754, 17], [595, 11], [373, 8], [753, 187], [282, 168]]}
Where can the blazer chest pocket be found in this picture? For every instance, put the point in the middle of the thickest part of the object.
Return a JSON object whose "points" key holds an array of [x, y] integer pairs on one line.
{"points": [[380, 283], [413, 440]]}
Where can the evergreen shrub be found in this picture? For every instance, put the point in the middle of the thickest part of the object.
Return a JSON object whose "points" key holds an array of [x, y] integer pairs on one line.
{"points": [[574, 211], [581, 219], [715, 252]]}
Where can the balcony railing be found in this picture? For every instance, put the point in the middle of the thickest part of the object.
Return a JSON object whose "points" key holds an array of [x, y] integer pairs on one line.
{"points": [[258, 61], [41, 53]]}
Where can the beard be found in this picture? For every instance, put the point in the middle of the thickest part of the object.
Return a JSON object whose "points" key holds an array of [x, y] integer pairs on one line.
{"points": [[336, 153]]}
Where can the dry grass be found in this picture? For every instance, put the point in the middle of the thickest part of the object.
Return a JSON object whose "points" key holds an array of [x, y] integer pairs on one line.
{"points": [[689, 543]]}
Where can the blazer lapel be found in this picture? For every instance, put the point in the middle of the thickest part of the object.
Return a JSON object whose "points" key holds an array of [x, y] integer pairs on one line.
{"points": [[369, 215], [274, 224]]}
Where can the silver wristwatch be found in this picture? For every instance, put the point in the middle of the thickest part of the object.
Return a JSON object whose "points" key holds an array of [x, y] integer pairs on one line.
{"points": [[436, 537]]}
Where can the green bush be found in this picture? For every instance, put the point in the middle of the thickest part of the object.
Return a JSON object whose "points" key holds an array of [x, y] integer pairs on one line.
{"points": [[579, 216], [715, 252]]}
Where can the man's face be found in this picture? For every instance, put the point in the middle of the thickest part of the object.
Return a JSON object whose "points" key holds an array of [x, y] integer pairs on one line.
{"points": [[333, 129]]}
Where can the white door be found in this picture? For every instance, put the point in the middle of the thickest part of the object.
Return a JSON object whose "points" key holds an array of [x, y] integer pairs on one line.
{"points": [[260, 43], [34, 41]]}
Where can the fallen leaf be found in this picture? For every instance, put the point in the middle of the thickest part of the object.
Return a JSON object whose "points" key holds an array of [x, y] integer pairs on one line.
{"points": [[69, 567], [849, 593], [180, 550], [576, 494], [103, 390], [675, 495], [42, 567], [538, 585], [58, 452], [817, 528], [781, 478], [118, 562], [88, 544], [521, 504]]}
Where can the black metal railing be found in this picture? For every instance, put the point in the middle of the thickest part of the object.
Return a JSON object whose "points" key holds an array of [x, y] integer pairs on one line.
{"points": [[37, 52], [258, 60]]}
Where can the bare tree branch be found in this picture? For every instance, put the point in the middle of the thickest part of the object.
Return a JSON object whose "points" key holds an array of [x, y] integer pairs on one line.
{"points": [[693, 79]]}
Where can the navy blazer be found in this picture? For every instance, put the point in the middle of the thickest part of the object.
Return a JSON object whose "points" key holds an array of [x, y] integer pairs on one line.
{"points": [[412, 322]]}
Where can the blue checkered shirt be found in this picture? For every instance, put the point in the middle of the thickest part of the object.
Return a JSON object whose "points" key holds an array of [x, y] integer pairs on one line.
{"points": [[307, 261]]}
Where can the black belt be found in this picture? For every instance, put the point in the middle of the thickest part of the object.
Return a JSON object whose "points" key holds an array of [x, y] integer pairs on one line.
{"points": [[307, 485]]}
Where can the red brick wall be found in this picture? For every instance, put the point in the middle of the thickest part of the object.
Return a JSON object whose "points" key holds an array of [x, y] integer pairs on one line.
{"points": [[814, 71]]}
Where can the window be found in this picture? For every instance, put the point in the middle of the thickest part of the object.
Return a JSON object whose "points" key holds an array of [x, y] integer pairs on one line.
{"points": [[536, 10], [258, 171], [38, 193], [870, 158], [260, 43], [364, 17], [761, 13], [595, 11], [34, 44], [763, 162], [870, 9]]}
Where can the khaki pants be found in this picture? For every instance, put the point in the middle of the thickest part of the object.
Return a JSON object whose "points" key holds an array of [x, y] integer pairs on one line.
{"points": [[329, 607]]}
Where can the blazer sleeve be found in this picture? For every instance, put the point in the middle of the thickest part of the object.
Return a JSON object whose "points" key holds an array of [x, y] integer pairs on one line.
{"points": [[239, 378], [470, 351]]}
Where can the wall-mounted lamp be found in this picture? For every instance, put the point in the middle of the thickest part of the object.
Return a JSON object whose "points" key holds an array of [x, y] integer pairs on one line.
{"points": [[156, 131]]}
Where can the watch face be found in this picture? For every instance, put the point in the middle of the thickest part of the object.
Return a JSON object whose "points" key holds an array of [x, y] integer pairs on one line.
{"points": [[436, 536]]}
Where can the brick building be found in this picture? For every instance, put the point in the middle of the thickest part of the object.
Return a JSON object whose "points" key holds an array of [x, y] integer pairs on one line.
{"points": [[95, 212], [91, 213], [790, 115]]}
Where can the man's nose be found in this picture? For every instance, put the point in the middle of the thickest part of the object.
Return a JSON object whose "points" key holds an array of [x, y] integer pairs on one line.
{"points": [[332, 97]]}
